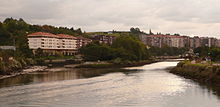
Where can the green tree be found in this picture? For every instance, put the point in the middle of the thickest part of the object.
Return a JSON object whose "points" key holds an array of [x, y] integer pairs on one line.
{"points": [[136, 50], [215, 54], [96, 51]]}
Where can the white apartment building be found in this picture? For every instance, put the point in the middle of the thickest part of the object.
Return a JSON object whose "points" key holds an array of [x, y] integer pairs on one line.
{"points": [[177, 41], [53, 44]]}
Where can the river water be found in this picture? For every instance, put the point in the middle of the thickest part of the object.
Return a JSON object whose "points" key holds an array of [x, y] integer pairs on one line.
{"points": [[145, 86]]}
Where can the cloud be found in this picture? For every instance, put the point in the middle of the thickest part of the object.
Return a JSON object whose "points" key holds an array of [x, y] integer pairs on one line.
{"points": [[199, 17]]}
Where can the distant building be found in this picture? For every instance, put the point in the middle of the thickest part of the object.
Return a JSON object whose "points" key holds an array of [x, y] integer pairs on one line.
{"points": [[191, 43], [160, 40], [81, 41], [209, 42], [217, 43], [107, 39], [7, 48], [55, 44], [205, 41], [186, 41], [197, 42]]}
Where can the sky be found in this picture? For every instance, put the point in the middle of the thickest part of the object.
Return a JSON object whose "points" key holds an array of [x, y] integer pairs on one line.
{"points": [[186, 17]]}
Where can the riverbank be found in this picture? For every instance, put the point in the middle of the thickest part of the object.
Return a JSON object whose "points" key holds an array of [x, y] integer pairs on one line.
{"points": [[206, 73], [24, 71], [69, 64], [13, 65], [110, 64]]}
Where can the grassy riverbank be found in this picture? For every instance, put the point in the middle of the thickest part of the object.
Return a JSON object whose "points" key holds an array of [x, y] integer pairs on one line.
{"points": [[114, 64], [15, 65], [206, 72]]}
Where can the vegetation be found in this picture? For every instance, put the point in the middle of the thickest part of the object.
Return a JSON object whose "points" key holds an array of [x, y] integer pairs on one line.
{"points": [[9, 64], [213, 53], [14, 32], [167, 51], [201, 72], [106, 65], [124, 47]]}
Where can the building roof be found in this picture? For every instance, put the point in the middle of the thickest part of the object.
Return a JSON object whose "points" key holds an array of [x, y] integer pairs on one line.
{"points": [[8, 47], [66, 36], [44, 34], [169, 36], [80, 37]]}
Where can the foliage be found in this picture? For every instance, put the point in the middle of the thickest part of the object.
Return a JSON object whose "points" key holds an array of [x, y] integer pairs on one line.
{"points": [[14, 32], [215, 54], [167, 51], [124, 47], [136, 32], [96, 51], [202, 51], [106, 65], [212, 52], [130, 48]]}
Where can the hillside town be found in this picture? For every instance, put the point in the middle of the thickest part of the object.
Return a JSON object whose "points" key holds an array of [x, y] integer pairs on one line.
{"points": [[161, 40], [56, 44], [62, 43], [69, 44], [109, 53]]}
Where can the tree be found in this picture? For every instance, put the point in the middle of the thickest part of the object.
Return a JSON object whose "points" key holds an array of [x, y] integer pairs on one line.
{"points": [[96, 51], [135, 30], [136, 50], [215, 54], [150, 32], [17, 30], [39, 52]]}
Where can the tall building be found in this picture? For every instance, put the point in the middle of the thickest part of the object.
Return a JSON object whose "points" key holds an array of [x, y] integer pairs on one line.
{"points": [[197, 42], [160, 40], [191, 43], [81, 41], [163, 40], [205, 41], [107, 39], [55, 44], [217, 43]]}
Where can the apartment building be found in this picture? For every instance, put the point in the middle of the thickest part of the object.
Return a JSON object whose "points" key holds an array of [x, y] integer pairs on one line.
{"points": [[55, 44], [197, 42], [81, 41], [160, 40], [107, 39], [163, 40]]}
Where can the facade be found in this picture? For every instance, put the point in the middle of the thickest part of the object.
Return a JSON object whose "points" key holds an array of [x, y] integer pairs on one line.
{"points": [[81, 41], [161, 40], [217, 43], [191, 42], [7, 48], [104, 39], [54, 44], [197, 42], [205, 41]]}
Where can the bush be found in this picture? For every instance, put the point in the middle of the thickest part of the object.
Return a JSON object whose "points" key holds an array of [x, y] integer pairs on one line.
{"points": [[124, 47]]}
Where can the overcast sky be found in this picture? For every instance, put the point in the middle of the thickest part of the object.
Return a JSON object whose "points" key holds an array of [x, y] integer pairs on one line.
{"points": [[187, 17]]}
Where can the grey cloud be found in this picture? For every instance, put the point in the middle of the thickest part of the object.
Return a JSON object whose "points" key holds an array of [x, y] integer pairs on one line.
{"points": [[200, 11], [169, 16]]}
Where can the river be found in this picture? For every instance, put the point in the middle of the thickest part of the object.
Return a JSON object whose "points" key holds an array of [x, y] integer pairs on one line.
{"points": [[146, 86]]}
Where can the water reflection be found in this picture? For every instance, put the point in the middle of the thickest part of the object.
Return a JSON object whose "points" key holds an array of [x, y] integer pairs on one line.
{"points": [[145, 86], [64, 74]]}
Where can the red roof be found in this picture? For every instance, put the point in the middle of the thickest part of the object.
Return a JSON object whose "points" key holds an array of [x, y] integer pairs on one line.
{"points": [[66, 36], [42, 34], [170, 36], [82, 38]]}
